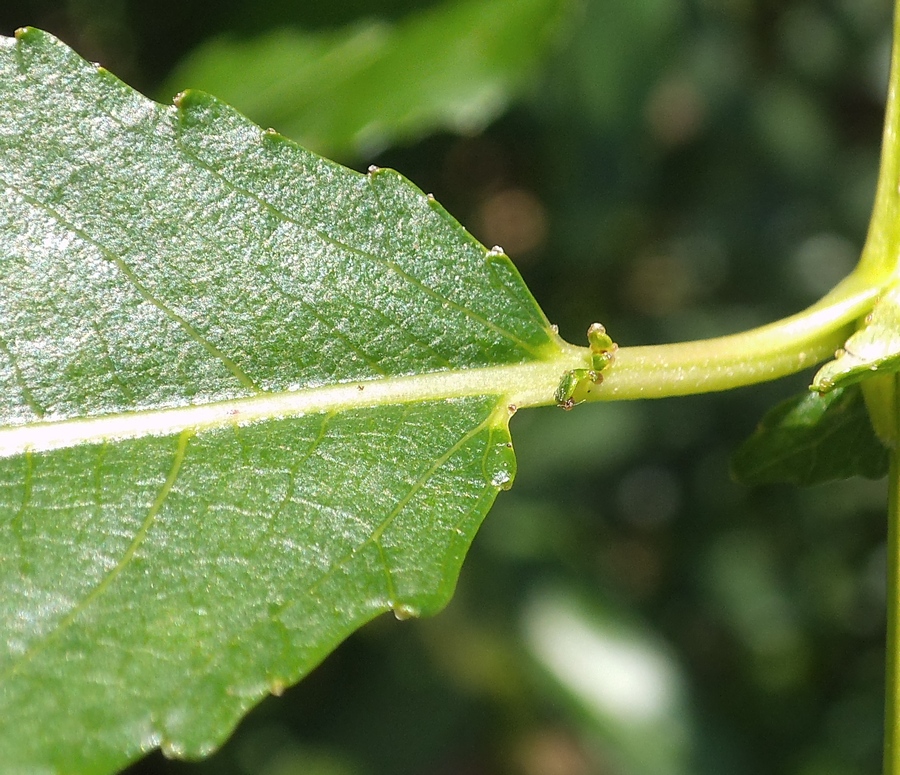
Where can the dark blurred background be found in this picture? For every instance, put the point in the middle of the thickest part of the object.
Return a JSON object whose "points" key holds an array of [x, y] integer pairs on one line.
{"points": [[676, 169]]}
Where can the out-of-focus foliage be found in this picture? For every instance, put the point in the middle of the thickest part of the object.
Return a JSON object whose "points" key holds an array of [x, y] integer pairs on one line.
{"points": [[709, 167], [371, 84]]}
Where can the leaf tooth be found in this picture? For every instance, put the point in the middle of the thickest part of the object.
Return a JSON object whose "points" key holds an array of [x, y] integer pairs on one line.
{"points": [[190, 99], [500, 462], [404, 611]]}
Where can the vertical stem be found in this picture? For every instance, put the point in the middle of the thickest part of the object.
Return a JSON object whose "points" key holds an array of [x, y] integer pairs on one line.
{"points": [[880, 254], [892, 644], [892, 680]]}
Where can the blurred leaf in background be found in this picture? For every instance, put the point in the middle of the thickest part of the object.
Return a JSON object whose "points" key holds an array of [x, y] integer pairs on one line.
{"points": [[678, 169], [619, 675], [354, 91]]}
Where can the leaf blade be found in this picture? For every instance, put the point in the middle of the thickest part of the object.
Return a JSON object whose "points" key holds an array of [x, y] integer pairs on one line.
{"points": [[127, 614], [812, 438], [194, 306], [338, 356]]}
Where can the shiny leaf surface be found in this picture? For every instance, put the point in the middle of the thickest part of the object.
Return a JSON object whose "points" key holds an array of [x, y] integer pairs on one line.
{"points": [[250, 400]]}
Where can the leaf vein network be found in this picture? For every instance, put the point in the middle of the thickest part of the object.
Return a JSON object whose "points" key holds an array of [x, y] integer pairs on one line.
{"points": [[126, 559], [142, 290], [470, 313], [375, 536], [382, 261], [28, 396]]}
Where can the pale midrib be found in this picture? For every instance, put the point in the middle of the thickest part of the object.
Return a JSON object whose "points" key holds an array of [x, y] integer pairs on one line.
{"points": [[527, 384], [758, 355]]}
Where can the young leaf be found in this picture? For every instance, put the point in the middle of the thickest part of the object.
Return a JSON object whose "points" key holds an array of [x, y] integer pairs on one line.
{"points": [[812, 438], [874, 348], [249, 400], [358, 89]]}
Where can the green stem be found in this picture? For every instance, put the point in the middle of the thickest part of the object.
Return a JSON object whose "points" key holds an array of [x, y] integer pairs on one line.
{"points": [[758, 355], [880, 255], [795, 342], [892, 644]]}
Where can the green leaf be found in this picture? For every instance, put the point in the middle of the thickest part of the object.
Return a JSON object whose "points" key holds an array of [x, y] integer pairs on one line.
{"points": [[812, 438], [873, 349], [355, 90], [249, 400]]}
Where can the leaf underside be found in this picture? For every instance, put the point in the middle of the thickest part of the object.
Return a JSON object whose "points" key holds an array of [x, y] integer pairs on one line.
{"points": [[812, 438], [154, 588], [185, 577]]}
